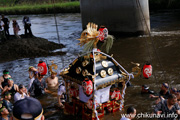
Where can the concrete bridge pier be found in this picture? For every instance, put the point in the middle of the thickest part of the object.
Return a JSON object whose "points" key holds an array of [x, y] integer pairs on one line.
{"points": [[120, 16]]}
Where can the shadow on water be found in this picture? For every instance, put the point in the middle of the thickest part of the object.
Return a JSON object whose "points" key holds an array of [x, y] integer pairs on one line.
{"points": [[165, 34]]}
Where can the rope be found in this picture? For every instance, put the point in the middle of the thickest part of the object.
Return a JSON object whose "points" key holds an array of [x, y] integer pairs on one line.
{"points": [[146, 43], [139, 5], [56, 22], [94, 103], [122, 101]]}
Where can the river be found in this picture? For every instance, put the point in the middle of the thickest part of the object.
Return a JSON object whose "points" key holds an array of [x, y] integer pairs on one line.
{"points": [[162, 49]]}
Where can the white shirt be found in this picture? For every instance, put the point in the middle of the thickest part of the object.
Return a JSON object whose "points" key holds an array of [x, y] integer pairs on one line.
{"points": [[18, 96], [124, 118], [30, 83], [1, 24]]}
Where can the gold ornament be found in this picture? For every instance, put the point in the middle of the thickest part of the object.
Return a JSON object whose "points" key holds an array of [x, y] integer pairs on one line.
{"points": [[52, 66], [104, 64], [84, 63], [110, 71], [89, 34], [103, 73], [78, 70], [85, 72]]}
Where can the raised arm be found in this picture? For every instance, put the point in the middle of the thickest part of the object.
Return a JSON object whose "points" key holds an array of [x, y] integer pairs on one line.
{"points": [[4, 90], [1, 80]]}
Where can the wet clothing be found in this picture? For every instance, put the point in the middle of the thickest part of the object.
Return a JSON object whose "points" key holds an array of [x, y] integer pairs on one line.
{"points": [[19, 96], [162, 106], [30, 83], [38, 87], [5, 83], [12, 90], [62, 91], [1, 118], [164, 95], [8, 105]]}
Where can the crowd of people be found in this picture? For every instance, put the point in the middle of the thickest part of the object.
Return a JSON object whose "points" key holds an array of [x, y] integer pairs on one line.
{"points": [[12, 94], [4, 27], [167, 103]]}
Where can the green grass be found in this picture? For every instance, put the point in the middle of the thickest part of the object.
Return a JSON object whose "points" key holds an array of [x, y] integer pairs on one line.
{"points": [[65, 7], [9, 7]]}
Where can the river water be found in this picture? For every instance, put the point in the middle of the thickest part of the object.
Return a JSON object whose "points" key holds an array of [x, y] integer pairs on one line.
{"points": [[161, 49]]}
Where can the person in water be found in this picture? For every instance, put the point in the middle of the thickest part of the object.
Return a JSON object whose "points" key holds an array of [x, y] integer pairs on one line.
{"points": [[39, 86], [28, 109], [164, 92], [21, 94], [4, 114], [62, 93], [131, 113], [6, 101], [145, 90], [178, 96], [173, 90], [52, 81], [33, 74], [169, 106], [4, 79], [12, 88]]}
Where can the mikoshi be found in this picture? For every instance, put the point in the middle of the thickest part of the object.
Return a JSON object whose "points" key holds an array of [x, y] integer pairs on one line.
{"points": [[98, 81]]}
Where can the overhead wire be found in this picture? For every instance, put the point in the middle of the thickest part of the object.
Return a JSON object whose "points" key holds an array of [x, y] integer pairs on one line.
{"points": [[153, 44], [53, 3]]}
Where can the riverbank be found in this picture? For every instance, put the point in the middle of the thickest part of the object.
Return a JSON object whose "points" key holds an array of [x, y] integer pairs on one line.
{"points": [[14, 48], [44, 8]]}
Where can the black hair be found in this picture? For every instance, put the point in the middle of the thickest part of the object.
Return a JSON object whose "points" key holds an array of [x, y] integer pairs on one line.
{"points": [[86, 77], [5, 71], [39, 75], [130, 110], [20, 86], [172, 96]]}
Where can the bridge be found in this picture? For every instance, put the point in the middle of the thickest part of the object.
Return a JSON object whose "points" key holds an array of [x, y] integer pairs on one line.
{"points": [[121, 16]]}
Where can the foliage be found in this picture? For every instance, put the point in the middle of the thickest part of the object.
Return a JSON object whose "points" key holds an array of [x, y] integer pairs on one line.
{"points": [[42, 8]]}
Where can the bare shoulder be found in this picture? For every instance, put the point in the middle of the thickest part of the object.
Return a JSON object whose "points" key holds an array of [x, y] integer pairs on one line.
{"points": [[47, 79], [1, 79], [16, 85]]}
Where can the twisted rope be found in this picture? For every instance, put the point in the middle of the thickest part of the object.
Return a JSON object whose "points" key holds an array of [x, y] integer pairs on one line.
{"points": [[94, 103], [122, 101]]}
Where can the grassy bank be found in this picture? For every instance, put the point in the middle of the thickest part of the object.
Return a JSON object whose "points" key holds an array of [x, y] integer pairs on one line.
{"points": [[12, 7], [62, 7]]}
